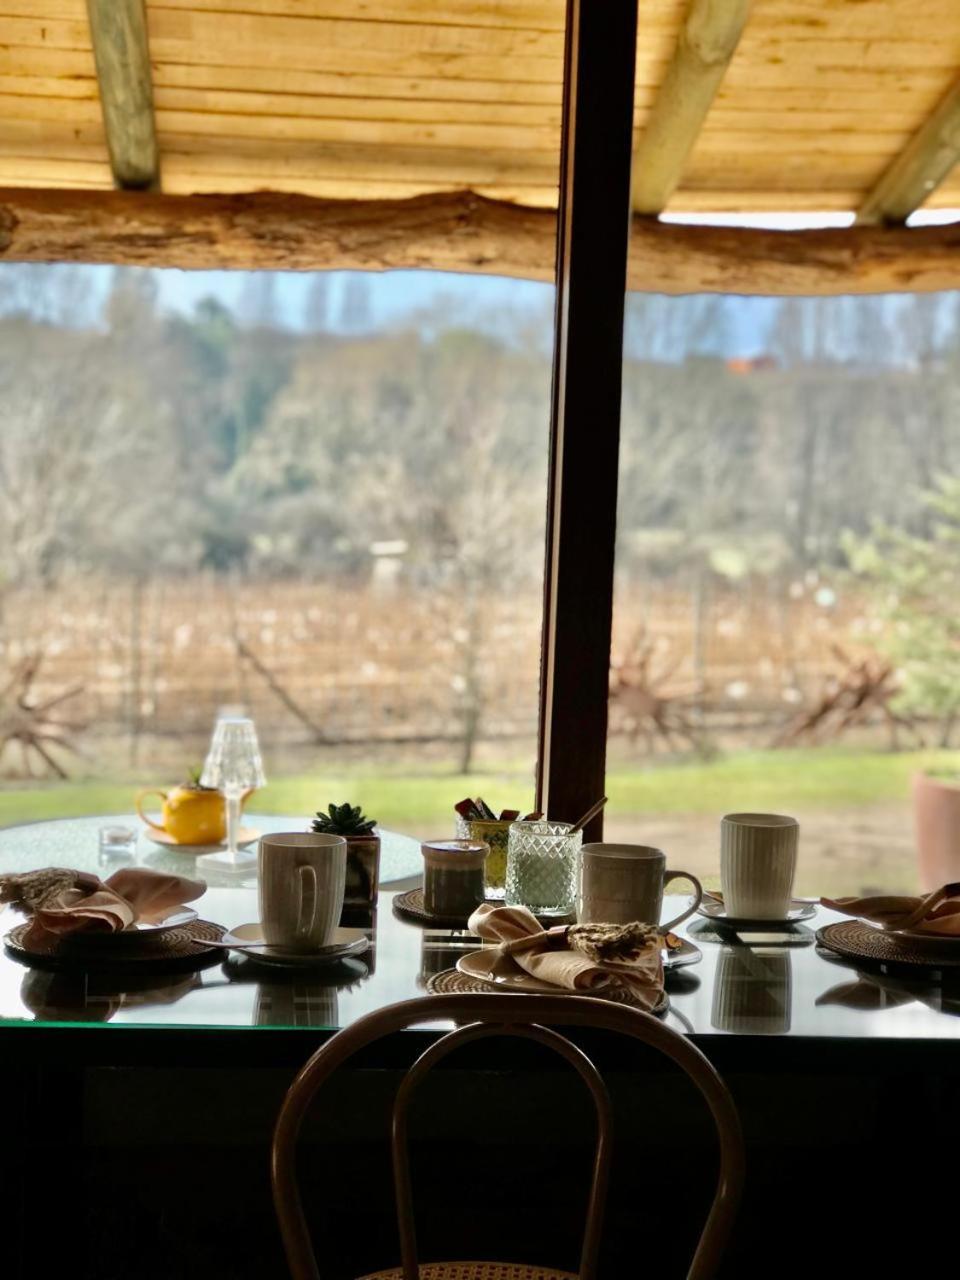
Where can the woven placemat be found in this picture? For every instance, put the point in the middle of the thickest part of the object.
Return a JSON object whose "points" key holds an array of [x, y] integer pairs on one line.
{"points": [[858, 941], [453, 982], [173, 951], [409, 906]]}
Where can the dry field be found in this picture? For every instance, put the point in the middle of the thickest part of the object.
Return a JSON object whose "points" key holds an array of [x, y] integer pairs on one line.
{"points": [[392, 673]]}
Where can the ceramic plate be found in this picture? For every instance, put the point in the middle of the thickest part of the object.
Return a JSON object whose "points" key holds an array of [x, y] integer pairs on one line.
{"points": [[480, 964], [175, 918], [246, 837], [713, 909], [346, 942]]}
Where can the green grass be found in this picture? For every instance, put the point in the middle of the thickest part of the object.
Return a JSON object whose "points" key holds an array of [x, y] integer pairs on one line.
{"points": [[800, 780], [821, 778]]}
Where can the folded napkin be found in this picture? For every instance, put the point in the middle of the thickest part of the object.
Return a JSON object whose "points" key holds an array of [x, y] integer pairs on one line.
{"points": [[551, 960], [68, 902], [936, 914]]}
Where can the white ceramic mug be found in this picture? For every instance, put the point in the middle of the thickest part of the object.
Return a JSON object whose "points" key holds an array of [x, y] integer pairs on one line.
{"points": [[302, 878], [758, 860], [620, 883]]}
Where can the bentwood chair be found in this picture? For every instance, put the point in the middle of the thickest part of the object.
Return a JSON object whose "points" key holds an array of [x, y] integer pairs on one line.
{"points": [[530, 1017]]}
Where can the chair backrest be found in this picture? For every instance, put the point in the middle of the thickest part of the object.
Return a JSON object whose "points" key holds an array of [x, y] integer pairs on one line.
{"points": [[530, 1017]]}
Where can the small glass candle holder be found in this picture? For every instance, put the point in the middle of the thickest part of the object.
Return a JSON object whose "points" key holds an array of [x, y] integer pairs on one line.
{"points": [[453, 876], [117, 845], [543, 867], [495, 834]]}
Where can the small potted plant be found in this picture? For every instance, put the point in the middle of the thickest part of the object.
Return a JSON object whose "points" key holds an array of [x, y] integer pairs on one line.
{"points": [[363, 851], [936, 815]]}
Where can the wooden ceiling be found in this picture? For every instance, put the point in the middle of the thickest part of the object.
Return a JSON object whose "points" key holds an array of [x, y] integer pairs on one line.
{"points": [[388, 98], [389, 133]]}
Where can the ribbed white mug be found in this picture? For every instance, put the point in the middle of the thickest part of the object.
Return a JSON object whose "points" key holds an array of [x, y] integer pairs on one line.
{"points": [[302, 877], [758, 860]]}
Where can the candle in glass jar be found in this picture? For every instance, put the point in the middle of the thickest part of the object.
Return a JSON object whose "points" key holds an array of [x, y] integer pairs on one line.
{"points": [[453, 876], [543, 867]]}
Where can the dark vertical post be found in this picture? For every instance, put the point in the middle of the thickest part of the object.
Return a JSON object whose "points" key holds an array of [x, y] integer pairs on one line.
{"points": [[592, 244]]}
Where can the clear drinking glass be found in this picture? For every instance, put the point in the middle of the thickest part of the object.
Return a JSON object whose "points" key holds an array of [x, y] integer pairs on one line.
{"points": [[233, 765], [117, 845], [543, 867]]}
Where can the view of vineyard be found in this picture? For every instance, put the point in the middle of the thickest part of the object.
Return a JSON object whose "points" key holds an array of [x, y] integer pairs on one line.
{"points": [[331, 513]]}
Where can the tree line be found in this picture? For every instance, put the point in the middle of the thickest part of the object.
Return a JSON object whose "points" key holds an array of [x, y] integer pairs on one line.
{"points": [[135, 441]]}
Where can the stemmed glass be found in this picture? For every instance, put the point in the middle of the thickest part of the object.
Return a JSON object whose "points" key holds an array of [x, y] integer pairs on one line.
{"points": [[233, 766]]}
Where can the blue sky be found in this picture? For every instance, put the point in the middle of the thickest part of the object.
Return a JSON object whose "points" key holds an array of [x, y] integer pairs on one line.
{"points": [[395, 297]]}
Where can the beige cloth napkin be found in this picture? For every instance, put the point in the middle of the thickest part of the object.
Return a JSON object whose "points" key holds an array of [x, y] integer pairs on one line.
{"points": [[558, 965], [937, 914], [86, 904]]}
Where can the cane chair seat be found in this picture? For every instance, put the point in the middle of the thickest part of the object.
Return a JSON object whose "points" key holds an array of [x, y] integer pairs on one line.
{"points": [[475, 1271]]}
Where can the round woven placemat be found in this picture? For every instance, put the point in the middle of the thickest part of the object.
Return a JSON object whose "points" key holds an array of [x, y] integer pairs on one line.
{"points": [[176, 950], [859, 941], [409, 906], [453, 982]]}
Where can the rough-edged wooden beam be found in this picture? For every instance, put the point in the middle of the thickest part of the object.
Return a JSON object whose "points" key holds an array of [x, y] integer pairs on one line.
{"points": [[458, 231], [118, 29], [708, 40], [919, 168]]}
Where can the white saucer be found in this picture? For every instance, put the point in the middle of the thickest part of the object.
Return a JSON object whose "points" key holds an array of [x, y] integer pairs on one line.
{"points": [[713, 909], [246, 836], [175, 918], [346, 942]]}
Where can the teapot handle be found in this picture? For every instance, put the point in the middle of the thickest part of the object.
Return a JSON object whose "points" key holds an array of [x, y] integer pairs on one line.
{"points": [[141, 795]]}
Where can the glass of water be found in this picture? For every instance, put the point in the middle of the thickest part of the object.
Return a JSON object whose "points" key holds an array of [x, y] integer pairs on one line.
{"points": [[117, 845], [543, 867]]}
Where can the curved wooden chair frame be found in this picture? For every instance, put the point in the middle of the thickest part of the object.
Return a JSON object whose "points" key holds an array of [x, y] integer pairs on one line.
{"points": [[529, 1017]]}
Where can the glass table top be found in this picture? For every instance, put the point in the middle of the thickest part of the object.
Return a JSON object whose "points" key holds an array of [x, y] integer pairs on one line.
{"points": [[775, 985], [73, 842]]}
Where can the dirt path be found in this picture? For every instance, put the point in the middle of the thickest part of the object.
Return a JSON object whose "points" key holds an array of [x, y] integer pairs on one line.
{"points": [[841, 851]]}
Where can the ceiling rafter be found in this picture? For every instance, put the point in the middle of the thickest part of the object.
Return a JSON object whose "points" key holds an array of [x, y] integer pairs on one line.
{"points": [[118, 30], [706, 44], [921, 166]]}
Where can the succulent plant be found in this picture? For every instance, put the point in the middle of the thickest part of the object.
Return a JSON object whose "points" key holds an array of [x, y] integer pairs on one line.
{"points": [[344, 820]]}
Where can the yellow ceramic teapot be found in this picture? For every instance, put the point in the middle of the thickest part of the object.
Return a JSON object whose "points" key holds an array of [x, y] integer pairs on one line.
{"points": [[191, 814]]}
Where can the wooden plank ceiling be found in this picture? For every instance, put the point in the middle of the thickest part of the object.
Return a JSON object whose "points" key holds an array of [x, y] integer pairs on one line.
{"points": [[391, 98]]}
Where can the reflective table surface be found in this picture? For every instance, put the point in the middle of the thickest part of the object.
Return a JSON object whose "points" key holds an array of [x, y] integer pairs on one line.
{"points": [[751, 985]]}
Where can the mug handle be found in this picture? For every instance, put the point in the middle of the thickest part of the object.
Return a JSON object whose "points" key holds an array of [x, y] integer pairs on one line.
{"points": [[141, 796], [681, 875], [305, 920]]}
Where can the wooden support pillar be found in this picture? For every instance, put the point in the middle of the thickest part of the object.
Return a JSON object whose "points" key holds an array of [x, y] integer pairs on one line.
{"points": [[592, 245]]}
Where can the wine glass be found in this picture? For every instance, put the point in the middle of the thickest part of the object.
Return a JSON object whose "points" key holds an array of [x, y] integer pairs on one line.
{"points": [[233, 765]]}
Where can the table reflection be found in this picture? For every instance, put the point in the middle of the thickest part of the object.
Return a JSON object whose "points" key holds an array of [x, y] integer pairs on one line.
{"points": [[440, 949], [745, 985], [88, 997], [753, 990]]}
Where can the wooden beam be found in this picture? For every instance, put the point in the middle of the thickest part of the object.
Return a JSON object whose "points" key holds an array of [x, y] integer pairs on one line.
{"points": [[118, 29], [708, 40], [919, 168], [593, 244], [457, 231]]}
